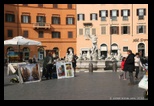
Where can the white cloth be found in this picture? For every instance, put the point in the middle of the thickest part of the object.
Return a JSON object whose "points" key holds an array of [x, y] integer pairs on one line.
{"points": [[141, 12], [114, 13], [103, 13], [125, 12], [137, 61]]}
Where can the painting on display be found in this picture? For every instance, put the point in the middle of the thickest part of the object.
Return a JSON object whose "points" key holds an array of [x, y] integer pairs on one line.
{"points": [[29, 73], [69, 70], [60, 70]]}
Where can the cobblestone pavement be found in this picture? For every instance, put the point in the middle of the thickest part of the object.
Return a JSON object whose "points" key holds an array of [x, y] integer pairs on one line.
{"points": [[103, 85]]}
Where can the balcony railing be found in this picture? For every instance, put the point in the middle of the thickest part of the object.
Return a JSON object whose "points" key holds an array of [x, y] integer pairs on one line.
{"points": [[41, 25]]}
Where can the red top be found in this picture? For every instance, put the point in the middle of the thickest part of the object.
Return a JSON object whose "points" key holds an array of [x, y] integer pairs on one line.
{"points": [[122, 64]]}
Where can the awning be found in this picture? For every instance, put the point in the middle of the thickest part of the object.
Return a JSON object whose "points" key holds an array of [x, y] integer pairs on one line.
{"points": [[114, 47], [103, 48]]}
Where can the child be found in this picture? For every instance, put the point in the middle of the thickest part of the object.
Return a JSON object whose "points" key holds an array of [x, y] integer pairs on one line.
{"points": [[122, 68]]}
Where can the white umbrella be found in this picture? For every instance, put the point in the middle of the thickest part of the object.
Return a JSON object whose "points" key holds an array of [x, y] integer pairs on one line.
{"points": [[19, 40]]}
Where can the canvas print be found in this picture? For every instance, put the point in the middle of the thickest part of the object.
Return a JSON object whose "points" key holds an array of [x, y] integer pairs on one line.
{"points": [[29, 73], [69, 70], [60, 70]]}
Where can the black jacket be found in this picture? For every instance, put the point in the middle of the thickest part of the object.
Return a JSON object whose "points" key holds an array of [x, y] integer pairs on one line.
{"points": [[129, 63]]}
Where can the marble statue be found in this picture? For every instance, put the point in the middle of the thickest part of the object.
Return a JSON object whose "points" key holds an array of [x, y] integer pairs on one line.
{"points": [[88, 55], [94, 50], [69, 57]]}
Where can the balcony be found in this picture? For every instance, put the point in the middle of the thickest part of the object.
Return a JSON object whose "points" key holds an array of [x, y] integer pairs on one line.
{"points": [[43, 25]]}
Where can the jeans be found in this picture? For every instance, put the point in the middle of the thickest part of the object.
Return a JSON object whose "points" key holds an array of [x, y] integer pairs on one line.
{"points": [[137, 71], [131, 77]]}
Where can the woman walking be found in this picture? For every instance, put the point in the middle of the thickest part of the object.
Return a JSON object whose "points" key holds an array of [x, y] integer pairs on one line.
{"points": [[137, 64], [123, 75]]}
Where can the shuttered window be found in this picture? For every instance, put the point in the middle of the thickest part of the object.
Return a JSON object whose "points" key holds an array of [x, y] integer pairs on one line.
{"points": [[80, 31], [103, 30]]}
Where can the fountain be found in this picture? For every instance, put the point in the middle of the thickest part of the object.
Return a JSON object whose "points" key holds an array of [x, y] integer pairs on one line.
{"points": [[93, 56]]}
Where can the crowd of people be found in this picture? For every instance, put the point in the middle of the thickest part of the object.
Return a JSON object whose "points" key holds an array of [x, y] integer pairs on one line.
{"points": [[130, 64]]}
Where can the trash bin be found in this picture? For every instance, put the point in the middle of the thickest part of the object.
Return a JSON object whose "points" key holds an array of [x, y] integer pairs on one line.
{"points": [[90, 67], [114, 66]]}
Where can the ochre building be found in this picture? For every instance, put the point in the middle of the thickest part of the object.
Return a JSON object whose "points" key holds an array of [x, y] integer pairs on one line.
{"points": [[52, 24]]}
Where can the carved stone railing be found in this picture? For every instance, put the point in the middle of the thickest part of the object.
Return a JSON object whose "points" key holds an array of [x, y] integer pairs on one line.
{"points": [[41, 25]]}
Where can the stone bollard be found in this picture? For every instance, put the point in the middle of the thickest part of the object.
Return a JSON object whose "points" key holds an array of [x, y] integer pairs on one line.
{"points": [[114, 66], [90, 67]]}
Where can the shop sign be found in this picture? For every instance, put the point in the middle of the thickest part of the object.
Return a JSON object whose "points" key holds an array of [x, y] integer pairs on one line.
{"points": [[139, 40]]}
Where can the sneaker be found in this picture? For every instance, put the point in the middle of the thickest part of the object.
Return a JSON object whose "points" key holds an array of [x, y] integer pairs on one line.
{"points": [[124, 79]]}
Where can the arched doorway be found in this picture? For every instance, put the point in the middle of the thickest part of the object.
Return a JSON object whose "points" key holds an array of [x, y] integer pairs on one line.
{"points": [[141, 49], [56, 50], [41, 53], [114, 49], [26, 53], [103, 50], [70, 48]]}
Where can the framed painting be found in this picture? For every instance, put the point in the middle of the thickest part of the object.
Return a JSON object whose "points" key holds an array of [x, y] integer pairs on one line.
{"points": [[29, 73], [69, 70], [60, 68]]}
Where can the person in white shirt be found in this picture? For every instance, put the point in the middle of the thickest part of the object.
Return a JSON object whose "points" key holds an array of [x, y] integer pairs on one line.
{"points": [[137, 64]]}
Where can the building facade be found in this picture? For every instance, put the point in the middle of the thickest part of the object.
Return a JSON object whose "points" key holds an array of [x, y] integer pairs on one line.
{"points": [[117, 27], [52, 24]]}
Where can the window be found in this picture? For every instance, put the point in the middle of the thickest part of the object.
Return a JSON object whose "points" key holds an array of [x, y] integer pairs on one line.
{"points": [[55, 5], [141, 13], [25, 33], [80, 31], [69, 20], [25, 19], [69, 6], [93, 31], [93, 16], [41, 20], [125, 30], [80, 16], [87, 31], [125, 48], [10, 33], [40, 34], [40, 5], [103, 30], [125, 14], [103, 14], [114, 30], [25, 4], [55, 34], [70, 34], [9, 17], [141, 29], [114, 14], [55, 20]]}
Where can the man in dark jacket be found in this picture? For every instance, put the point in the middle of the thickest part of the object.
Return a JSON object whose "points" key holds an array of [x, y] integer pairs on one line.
{"points": [[129, 66], [47, 65]]}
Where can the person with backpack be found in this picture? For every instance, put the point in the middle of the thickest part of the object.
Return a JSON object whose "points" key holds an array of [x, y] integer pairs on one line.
{"points": [[122, 68]]}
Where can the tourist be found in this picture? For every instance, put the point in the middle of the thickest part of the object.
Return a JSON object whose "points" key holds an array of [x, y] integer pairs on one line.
{"points": [[130, 66], [74, 63], [122, 68], [137, 64], [47, 65]]}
